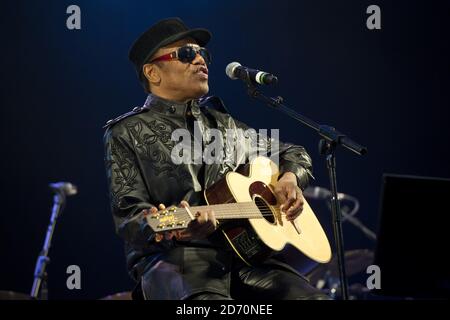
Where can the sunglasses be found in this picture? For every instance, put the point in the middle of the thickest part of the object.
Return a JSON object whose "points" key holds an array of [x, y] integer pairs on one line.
{"points": [[185, 54]]}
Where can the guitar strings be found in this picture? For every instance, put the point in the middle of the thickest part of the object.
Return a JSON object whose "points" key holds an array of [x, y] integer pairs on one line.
{"points": [[239, 212], [249, 211], [243, 214]]}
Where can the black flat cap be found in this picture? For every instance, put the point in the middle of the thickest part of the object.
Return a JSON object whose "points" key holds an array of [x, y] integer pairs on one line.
{"points": [[161, 34]]}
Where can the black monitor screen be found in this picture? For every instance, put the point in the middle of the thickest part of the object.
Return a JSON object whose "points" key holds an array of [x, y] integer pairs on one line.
{"points": [[413, 237]]}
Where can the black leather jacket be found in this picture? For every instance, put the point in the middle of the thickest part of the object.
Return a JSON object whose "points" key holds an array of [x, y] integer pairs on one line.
{"points": [[141, 174]]}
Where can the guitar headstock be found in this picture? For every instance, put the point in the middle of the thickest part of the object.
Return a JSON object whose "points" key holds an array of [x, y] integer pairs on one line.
{"points": [[169, 219]]}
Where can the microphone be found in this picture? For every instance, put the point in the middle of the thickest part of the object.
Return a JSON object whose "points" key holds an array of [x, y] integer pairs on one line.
{"points": [[320, 193], [235, 70], [65, 188]]}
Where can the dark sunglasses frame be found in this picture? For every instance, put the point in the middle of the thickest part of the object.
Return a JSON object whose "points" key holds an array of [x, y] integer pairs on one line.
{"points": [[185, 54]]}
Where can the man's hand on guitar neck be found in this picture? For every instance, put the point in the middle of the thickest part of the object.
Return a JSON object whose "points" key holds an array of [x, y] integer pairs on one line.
{"points": [[289, 195], [200, 228]]}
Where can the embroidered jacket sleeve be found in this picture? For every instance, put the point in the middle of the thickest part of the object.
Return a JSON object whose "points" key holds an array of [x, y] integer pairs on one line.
{"points": [[128, 194]]}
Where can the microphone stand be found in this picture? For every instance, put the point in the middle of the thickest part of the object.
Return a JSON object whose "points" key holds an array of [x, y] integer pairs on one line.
{"points": [[39, 289], [330, 139]]}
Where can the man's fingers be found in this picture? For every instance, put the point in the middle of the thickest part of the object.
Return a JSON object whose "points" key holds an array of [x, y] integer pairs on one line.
{"points": [[290, 199], [184, 204], [280, 195], [295, 201], [298, 204], [206, 216], [202, 217], [212, 218], [205, 220], [297, 207]]}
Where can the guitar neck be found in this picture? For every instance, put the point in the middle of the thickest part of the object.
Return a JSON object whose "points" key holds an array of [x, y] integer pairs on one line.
{"points": [[241, 210], [178, 218]]}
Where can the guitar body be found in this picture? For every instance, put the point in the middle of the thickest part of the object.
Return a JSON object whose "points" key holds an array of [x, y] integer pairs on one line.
{"points": [[255, 239]]}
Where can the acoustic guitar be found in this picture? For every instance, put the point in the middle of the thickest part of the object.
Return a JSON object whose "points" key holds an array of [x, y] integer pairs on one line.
{"points": [[250, 217]]}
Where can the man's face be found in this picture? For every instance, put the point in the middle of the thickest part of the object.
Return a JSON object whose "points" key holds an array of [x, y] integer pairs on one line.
{"points": [[178, 80]]}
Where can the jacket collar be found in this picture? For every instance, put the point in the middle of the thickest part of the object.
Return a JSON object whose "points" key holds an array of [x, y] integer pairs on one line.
{"points": [[165, 106]]}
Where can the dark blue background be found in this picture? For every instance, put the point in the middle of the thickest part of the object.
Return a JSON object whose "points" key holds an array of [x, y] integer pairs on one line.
{"points": [[388, 89]]}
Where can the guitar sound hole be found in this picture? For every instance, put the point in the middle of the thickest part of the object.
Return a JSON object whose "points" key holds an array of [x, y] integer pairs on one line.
{"points": [[264, 209]]}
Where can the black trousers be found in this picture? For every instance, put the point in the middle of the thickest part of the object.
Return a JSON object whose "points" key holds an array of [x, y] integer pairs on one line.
{"points": [[266, 283]]}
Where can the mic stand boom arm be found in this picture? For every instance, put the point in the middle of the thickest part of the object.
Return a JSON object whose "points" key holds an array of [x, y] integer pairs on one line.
{"points": [[330, 139]]}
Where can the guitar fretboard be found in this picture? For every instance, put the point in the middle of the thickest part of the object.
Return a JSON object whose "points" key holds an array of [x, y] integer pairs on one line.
{"points": [[238, 210]]}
